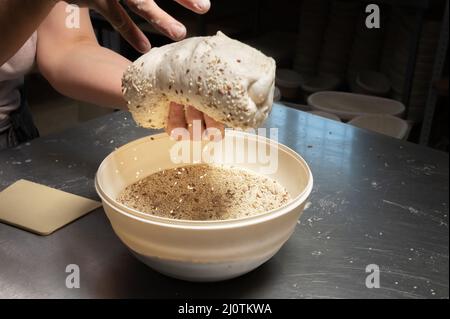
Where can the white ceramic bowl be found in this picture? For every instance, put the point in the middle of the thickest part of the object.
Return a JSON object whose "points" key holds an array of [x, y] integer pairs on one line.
{"points": [[383, 124], [201, 250], [349, 105]]}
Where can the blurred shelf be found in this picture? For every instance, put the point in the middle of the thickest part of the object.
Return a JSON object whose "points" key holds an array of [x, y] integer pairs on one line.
{"points": [[440, 57]]}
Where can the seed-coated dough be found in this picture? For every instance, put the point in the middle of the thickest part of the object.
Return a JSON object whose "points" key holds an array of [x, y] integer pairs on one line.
{"points": [[230, 81]]}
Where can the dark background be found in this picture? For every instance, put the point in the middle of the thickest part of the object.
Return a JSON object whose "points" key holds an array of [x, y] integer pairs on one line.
{"points": [[273, 26]]}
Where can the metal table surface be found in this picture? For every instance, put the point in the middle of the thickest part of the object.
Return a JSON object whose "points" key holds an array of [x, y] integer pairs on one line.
{"points": [[376, 200]]}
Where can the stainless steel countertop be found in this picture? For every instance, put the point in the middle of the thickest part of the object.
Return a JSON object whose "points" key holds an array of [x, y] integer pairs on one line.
{"points": [[376, 200]]}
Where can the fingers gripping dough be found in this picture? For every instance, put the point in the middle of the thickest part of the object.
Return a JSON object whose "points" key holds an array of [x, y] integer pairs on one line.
{"points": [[224, 78]]}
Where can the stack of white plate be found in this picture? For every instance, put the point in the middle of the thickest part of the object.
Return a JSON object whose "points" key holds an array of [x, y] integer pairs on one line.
{"points": [[338, 40], [371, 83], [423, 70], [320, 82], [289, 83], [313, 21], [366, 49], [396, 51], [400, 31], [395, 58]]}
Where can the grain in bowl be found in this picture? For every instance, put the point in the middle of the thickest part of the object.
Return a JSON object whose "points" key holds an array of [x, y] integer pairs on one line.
{"points": [[204, 192]]}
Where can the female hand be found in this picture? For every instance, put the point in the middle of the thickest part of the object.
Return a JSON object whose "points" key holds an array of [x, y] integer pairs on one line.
{"points": [[113, 11]]}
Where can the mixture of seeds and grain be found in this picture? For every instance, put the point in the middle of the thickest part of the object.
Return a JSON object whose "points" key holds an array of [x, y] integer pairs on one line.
{"points": [[204, 192]]}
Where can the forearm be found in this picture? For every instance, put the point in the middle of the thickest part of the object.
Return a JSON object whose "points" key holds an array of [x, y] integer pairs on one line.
{"points": [[18, 21], [90, 73]]}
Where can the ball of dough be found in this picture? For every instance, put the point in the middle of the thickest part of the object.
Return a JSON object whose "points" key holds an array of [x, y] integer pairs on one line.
{"points": [[230, 81]]}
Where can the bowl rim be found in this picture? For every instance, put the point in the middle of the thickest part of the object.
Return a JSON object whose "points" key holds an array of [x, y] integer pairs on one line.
{"points": [[208, 224]]}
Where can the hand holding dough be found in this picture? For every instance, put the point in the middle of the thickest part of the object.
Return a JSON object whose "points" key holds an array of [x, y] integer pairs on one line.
{"points": [[231, 82]]}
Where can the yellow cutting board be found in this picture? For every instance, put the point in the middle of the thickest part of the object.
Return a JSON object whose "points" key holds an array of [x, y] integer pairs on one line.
{"points": [[41, 209]]}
